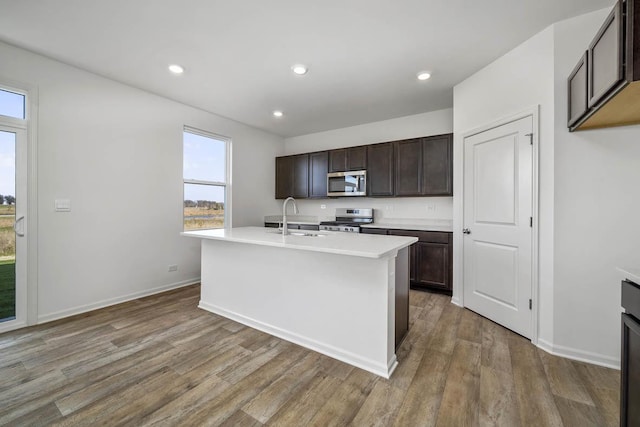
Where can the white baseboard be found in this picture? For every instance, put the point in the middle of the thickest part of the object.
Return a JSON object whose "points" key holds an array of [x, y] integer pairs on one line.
{"points": [[113, 301], [456, 301], [579, 355], [326, 349]]}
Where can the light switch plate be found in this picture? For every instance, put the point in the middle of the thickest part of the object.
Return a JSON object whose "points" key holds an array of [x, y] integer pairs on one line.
{"points": [[62, 205]]}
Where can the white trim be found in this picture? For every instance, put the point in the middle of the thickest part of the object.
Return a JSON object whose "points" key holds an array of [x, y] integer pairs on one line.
{"points": [[113, 301], [579, 355], [456, 301], [30, 124], [458, 297], [326, 349], [201, 182], [11, 325]]}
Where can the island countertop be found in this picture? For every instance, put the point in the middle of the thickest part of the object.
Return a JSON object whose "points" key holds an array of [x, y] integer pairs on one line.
{"points": [[351, 244]]}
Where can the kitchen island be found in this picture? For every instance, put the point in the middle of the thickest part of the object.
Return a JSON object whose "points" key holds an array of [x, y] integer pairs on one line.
{"points": [[345, 295]]}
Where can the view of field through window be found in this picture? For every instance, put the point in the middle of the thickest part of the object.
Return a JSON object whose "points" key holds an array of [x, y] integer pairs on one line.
{"points": [[11, 105], [204, 172], [7, 219]]}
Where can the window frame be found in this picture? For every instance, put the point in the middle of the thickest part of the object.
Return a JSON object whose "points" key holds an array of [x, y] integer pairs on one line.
{"points": [[225, 184], [16, 121]]}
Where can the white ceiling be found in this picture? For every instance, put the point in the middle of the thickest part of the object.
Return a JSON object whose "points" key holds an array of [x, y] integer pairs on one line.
{"points": [[363, 54]]}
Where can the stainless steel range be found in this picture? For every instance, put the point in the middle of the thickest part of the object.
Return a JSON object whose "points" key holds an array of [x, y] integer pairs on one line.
{"points": [[348, 220]]}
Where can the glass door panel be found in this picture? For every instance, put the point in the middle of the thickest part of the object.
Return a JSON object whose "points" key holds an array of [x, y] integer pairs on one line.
{"points": [[7, 222]]}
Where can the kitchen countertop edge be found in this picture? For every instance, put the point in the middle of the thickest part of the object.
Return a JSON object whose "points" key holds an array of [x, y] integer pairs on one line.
{"points": [[350, 244], [631, 274]]}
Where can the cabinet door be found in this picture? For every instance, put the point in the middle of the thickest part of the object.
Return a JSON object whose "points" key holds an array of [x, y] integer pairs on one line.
{"points": [[300, 176], [357, 158], [318, 168], [408, 167], [578, 91], [630, 372], [432, 265], [380, 169], [437, 166], [413, 261], [284, 177], [605, 57], [338, 160]]}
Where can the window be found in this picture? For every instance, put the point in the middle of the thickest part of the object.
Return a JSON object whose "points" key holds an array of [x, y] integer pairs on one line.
{"points": [[12, 104], [206, 180]]}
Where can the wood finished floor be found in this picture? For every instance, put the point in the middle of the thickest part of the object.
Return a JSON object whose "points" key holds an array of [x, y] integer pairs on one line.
{"points": [[162, 361]]}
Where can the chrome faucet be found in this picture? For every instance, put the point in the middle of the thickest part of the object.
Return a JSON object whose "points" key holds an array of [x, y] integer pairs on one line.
{"points": [[285, 229]]}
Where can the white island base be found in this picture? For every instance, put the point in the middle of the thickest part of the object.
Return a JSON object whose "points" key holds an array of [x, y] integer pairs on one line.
{"points": [[299, 289]]}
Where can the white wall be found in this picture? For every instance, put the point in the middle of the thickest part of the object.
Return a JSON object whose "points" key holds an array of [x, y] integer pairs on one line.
{"points": [[589, 192], [521, 79], [116, 152], [416, 208], [425, 124], [597, 200]]}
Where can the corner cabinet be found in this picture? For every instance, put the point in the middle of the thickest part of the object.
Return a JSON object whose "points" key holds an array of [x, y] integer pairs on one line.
{"points": [[430, 258], [604, 87], [424, 166]]}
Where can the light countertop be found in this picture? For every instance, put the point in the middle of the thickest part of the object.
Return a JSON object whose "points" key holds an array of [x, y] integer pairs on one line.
{"points": [[630, 273], [352, 244]]}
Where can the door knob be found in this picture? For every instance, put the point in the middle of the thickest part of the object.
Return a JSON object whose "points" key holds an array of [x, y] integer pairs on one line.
{"points": [[466, 231]]}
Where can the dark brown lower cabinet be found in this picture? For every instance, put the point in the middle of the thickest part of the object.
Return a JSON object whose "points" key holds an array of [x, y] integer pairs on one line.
{"points": [[430, 258], [630, 367]]}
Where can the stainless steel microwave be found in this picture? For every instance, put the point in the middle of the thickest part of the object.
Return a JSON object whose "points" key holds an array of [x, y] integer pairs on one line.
{"points": [[352, 183]]}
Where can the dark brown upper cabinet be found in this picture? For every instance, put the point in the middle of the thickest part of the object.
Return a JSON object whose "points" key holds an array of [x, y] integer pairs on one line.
{"points": [[578, 91], [605, 57], [292, 176], [424, 167], [409, 167], [318, 168], [437, 166], [413, 167], [380, 171], [612, 69], [348, 159]]}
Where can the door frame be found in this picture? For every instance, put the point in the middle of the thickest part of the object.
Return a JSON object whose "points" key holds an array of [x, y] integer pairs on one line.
{"points": [[458, 297], [31, 221]]}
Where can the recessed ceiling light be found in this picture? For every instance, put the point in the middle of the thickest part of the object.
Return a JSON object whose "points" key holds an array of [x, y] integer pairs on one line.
{"points": [[423, 75], [299, 69], [278, 113], [176, 69]]}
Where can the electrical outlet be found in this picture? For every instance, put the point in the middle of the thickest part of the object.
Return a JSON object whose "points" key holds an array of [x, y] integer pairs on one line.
{"points": [[431, 207], [173, 267], [323, 206]]}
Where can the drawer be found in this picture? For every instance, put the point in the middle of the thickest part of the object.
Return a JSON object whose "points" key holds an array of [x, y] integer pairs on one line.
{"points": [[367, 230], [631, 298], [424, 236]]}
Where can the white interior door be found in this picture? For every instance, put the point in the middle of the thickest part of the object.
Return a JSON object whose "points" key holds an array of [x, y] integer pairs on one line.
{"points": [[498, 190]]}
